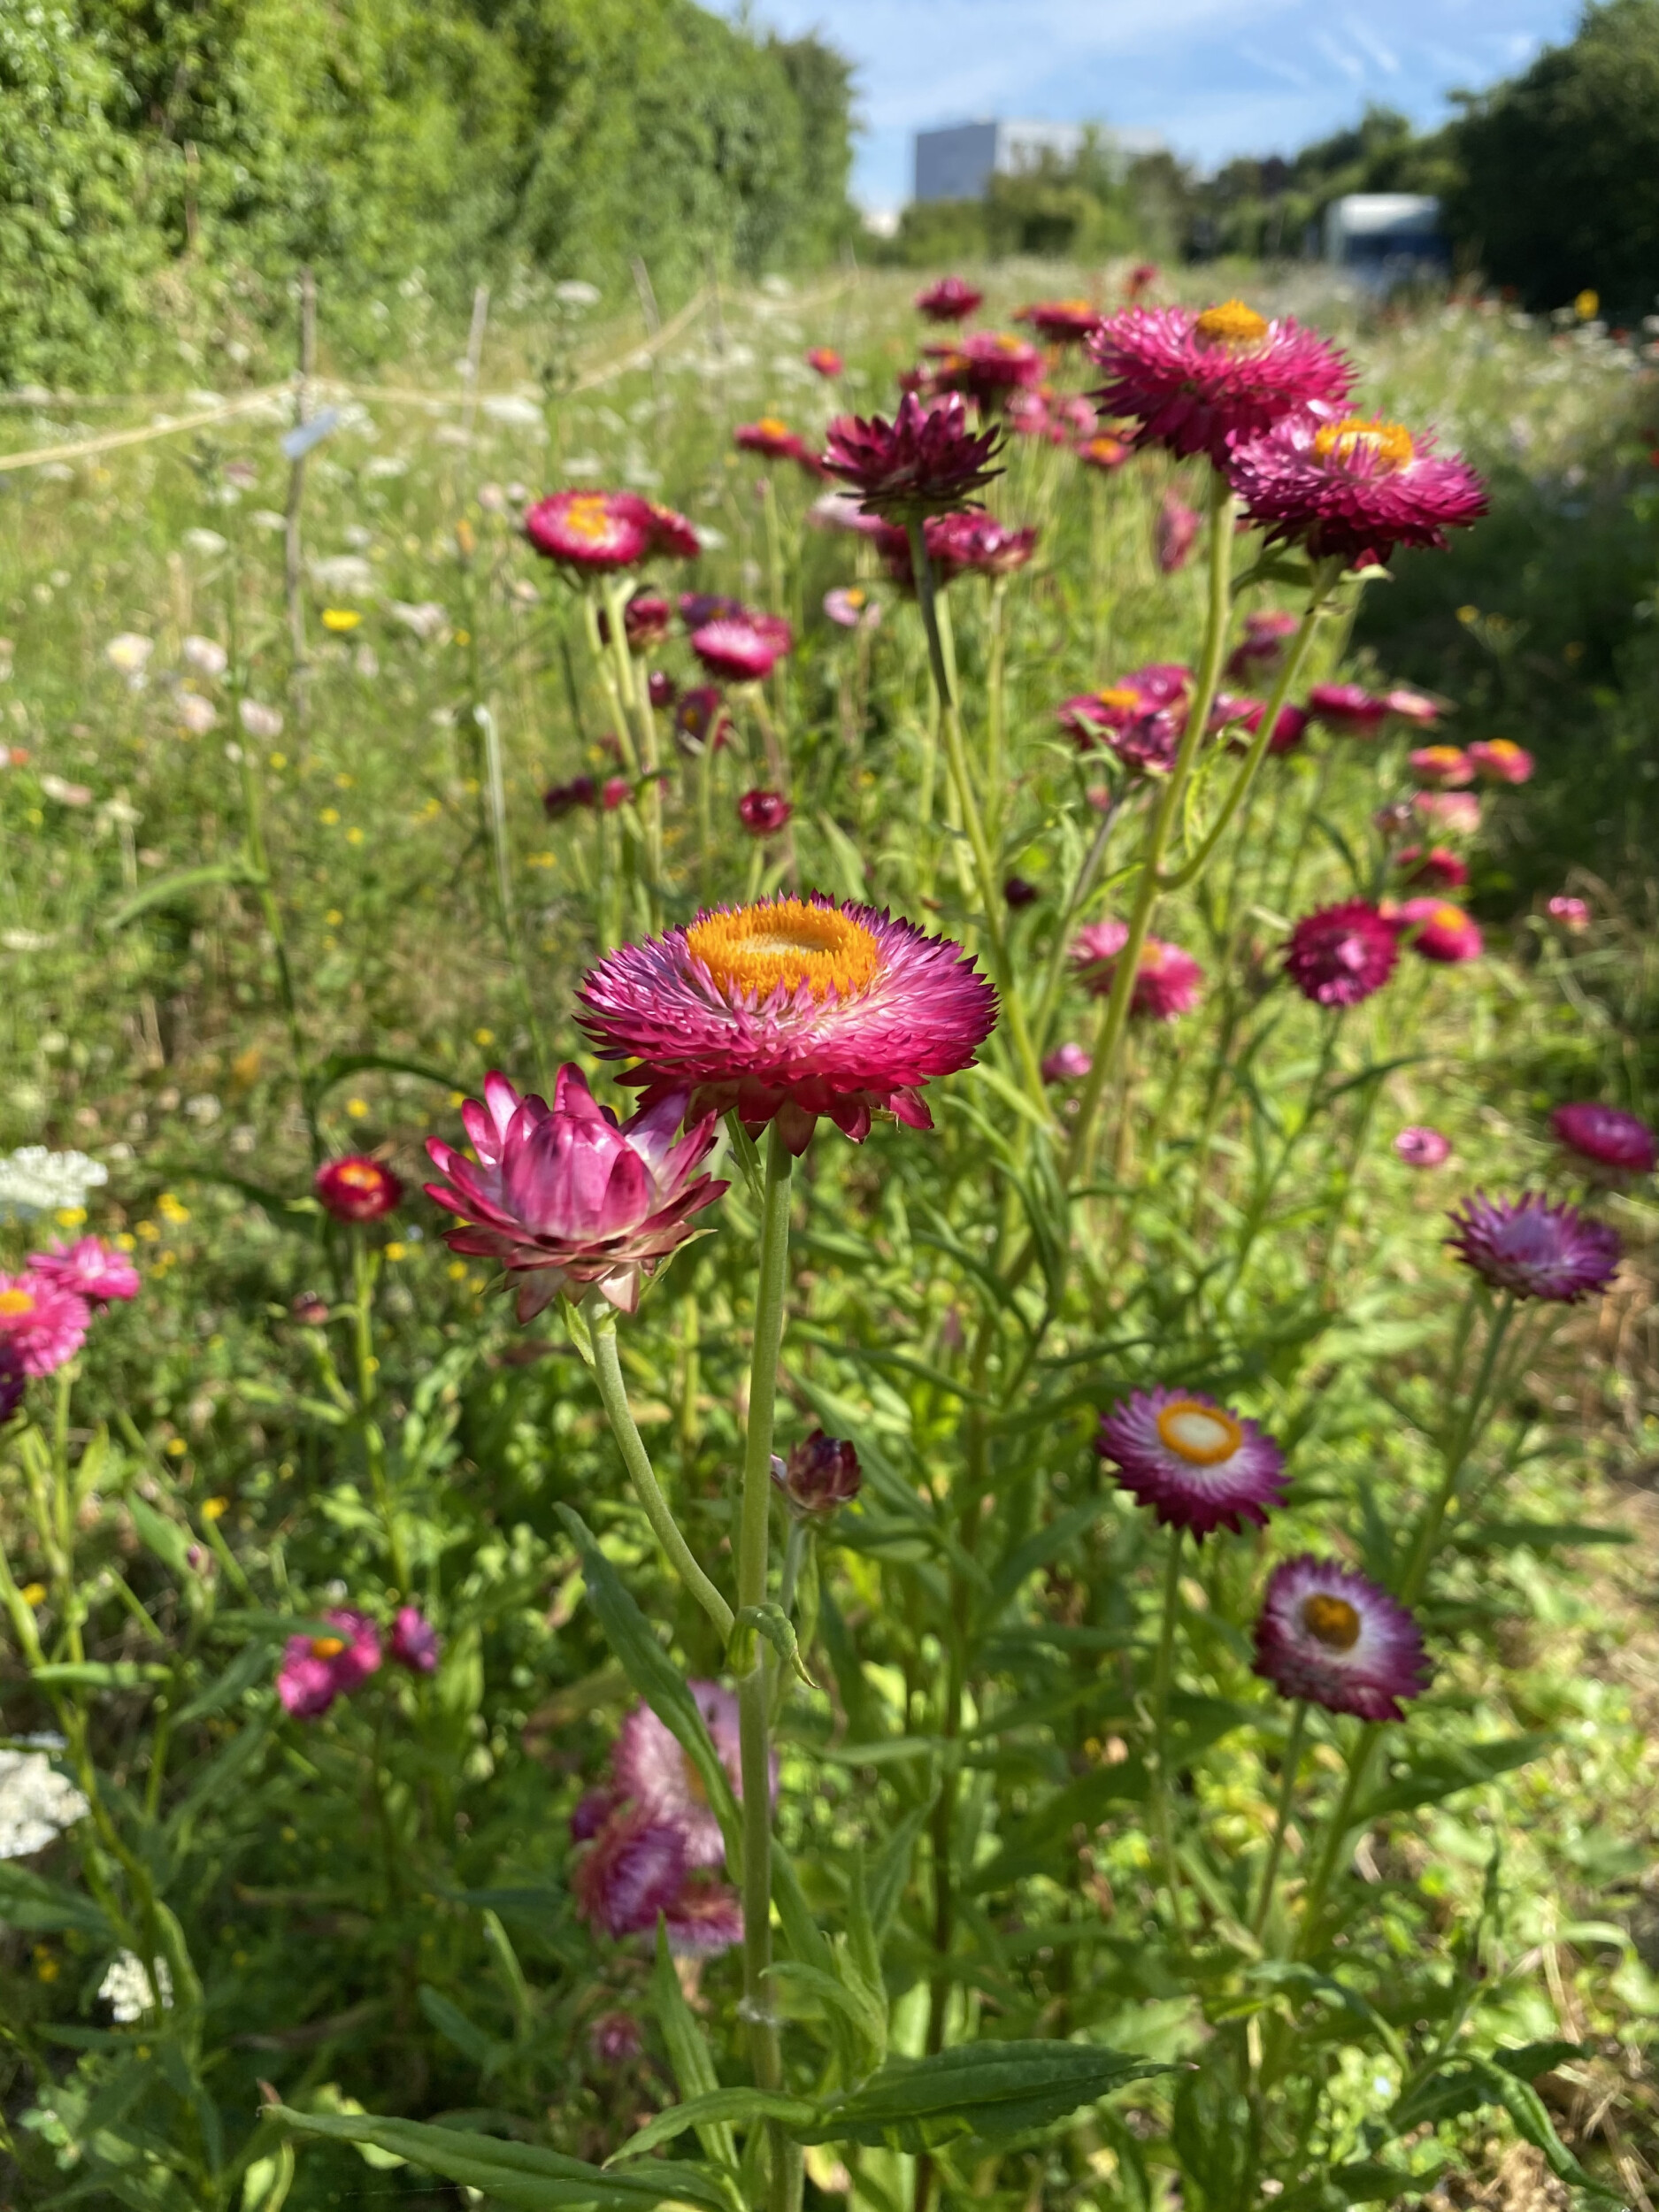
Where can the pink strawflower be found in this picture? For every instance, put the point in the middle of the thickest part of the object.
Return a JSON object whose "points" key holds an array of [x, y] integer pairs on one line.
{"points": [[1533, 1249], [42, 1323], [1439, 869], [1120, 704], [1262, 648], [1203, 383], [1500, 760], [1233, 711], [661, 690], [1421, 1147], [1104, 451], [1457, 812], [1019, 894], [650, 1770], [825, 360], [416, 1643], [1353, 490], [631, 1871], [564, 1198], [672, 536], [698, 607], [1062, 322], [820, 1475], [764, 813], [1572, 914], [1606, 1135], [925, 460], [791, 1008], [973, 545], [1333, 1636], [1289, 730], [1439, 931], [949, 300], [595, 531], [738, 649], [1067, 1064], [706, 1917], [1348, 708], [1414, 706], [1446, 767], [615, 2039], [1027, 414], [357, 1188], [986, 365], [94, 1270], [1140, 279], [772, 438], [615, 791], [850, 607], [1197, 1465], [560, 799], [317, 1670], [1167, 979], [1173, 532], [1341, 955]]}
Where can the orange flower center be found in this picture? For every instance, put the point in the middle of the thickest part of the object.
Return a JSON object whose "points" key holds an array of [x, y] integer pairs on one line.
{"points": [[1233, 324], [1332, 1620], [1202, 1435], [772, 427], [1447, 918], [1502, 748], [1075, 307], [1389, 441], [1119, 696], [327, 1647], [1437, 756], [359, 1175], [15, 1303], [789, 943], [854, 596], [589, 517]]}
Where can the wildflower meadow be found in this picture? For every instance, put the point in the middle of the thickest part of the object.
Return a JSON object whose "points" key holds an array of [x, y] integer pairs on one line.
{"points": [[823, 1296]]}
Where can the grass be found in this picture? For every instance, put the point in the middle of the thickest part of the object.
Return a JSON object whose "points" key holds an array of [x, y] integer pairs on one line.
{"points": [[379, 1906]]}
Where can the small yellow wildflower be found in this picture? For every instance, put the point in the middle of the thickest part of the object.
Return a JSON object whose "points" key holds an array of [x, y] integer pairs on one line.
{"points": [[329, 816], [354, 836], [483, 1036], [457, 1271], [33, 1593], [71, 1217], [1585, 305], [334, 918], [396, 1251], [215, 1509], [170, 1208], [176, 1448], [149, 1232], [341, 617], [357, 1108]]}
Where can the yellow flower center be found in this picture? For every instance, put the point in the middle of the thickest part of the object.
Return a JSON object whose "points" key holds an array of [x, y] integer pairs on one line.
{"points": [[1502, 748], [1437, 756], [1233, 324], [856, 598], [1075, 307], [589, 517], [1448, 918], [15, 1303], [327, 1647], [358, 1175], [1202, 1435], [789, 943], [772, 427], [1119, 696], [1389, 441], [1332, 1620]]}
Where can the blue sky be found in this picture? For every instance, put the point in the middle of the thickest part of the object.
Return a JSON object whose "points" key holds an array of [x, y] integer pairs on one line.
{"points": [[1214, 77]]}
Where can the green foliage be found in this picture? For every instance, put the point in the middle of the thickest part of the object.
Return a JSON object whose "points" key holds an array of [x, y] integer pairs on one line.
{"points": [[1271, 208], [1559, 188]]}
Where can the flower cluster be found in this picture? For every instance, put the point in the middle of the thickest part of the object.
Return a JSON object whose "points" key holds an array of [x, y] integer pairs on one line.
{"points": [[597, 531], [1167, 979], [317, 1670]]}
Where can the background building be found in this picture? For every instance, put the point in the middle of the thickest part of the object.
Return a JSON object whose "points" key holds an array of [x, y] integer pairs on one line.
{"points": [[958, 164]]}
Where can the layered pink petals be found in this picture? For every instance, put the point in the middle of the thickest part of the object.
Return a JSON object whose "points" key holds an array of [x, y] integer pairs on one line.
{"points": [[1198, 383], [925, 460], [949, 300], [317, 1670], [1341, 955], [94, 1270], [357, 1188], [741, 648], [1167, 979], [1439, 931], [1333, 1636], [42, 1323], [1195, 1464], [1353, 492], [1533, 1249], [1606, 1135], [565, 1198]]}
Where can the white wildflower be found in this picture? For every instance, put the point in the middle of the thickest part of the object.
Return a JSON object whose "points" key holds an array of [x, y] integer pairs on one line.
{"points": [[35, 1180], [197, 714], [343, 576], [206, 656], [66, 794], [126, 1987], [259, 721], [574, 292], [208, 543], [36, 1803], [129, 654], [513, 412], [426, 618]]}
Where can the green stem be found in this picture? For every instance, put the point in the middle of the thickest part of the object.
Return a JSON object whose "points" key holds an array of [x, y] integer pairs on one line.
{"points": [[1458, 1448], [1281, 1820], [1163, 1682], [1115, 1016], [602, 1322], [983, 867], [996, 705], [754, 1687], [364, 1270]]}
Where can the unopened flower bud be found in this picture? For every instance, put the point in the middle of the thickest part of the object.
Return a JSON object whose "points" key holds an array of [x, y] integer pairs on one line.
{"points": [[820, 1474]]}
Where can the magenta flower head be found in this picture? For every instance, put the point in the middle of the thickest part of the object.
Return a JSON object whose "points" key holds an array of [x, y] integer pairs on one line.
{"points": [[1201, 383], [564, 1198], [1348, 708], [1167, 979], [560, 799], [986, 365], [1289, 730], [740, 649], [764, 813], [1500, 760], [1332, 1636], [705, 1919], [925, 461], [42, 1323], [1439, 869], [1455, 813], [591, 530], [1341, 955], [1444, 767], [1439, 931], [1533, 1249], [416, 1643], [94, 1270], [672, 537], [973, 545], [790, 1009], [850, 607], [1420, 1147], [1197, 1465], [1262, 648], [631, 1873], [317, 1670], [1104, 451], [1570, 913], [1353, 490], [771, 438], [820, 1475], [1173, 532], [949, 300], [357, 1188], [1606, 1135], [651, 1770], [1061, 322], [1067, 1064], [615, 2039], [826, 361]]}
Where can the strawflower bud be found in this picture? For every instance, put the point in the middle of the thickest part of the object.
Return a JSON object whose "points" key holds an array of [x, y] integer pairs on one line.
{"points": [[821, 1474]]}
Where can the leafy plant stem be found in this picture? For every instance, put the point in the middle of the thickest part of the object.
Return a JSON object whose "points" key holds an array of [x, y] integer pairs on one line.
{"points": [[1163, 1681], [1281, 1819], [364, 1268]]}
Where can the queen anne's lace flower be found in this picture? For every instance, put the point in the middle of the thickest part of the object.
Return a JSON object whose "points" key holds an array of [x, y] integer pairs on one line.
{"points": [[36, 1803]]}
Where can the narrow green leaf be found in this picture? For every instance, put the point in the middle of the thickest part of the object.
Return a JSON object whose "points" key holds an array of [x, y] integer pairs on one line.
{"points": [[452, 2024], [719, 2105], [987, 2089], [166, 1539], [183, 885], [689, 2051], [1431, 1772], [30, 1902], [251, 1665]]}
